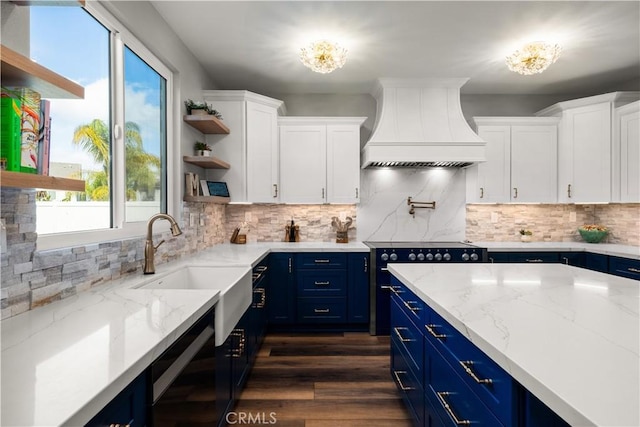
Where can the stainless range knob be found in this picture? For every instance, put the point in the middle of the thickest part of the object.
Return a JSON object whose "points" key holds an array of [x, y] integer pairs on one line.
{"points": [[429, 257], [465, 256], [412, 257], [447, 257], [438, 257], [474, 256], [384, 257], [420, 256], [393, 257]]}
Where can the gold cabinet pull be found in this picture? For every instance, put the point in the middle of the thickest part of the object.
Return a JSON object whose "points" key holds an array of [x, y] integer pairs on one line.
{"points": [[467, 364], [633, 270], [482, 192], [534, 260], [399, 381], [515, 192], [400, 337], [323, 193], [431, 329], [408, 305], [443, 401], [263, 297], [320, 310], [327, 283], [322, 261], [275, 190]]}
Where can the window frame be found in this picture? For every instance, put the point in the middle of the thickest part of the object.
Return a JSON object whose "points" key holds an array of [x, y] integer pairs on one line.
{"points": [[120, 229]]}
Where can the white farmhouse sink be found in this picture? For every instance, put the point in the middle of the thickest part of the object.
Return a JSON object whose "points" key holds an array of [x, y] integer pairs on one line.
{"points": [[234, 284]]}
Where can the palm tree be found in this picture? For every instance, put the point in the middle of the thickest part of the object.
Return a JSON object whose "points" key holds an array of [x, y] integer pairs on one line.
{"points": [[141, 167]]}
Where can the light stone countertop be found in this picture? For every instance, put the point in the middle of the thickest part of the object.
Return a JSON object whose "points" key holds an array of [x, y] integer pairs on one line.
{"points": [[569, 335], [625, 251], [63, 362]]}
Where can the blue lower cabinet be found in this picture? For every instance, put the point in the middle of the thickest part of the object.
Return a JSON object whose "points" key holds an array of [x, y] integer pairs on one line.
{"points": [[408, 384], [534, 257], [281, 291], [358, 270], [538, 414], [624, 267], [322, 310], [596, 262], [129, 407], [452, 401]]}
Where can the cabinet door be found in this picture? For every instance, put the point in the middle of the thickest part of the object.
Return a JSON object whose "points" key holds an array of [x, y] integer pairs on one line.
{"points": [[129, 407], [493, 184], [584, 165], [630, 155], [358, 288], [262, 153], [534, 164], [343, 164], [303, 164], [281, 292]]}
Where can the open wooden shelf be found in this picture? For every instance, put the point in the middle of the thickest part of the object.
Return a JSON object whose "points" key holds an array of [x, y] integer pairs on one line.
{"points": [[28, 180], [207, 124], [49, 2], [206, 162], [18, 70], [207, 199]]}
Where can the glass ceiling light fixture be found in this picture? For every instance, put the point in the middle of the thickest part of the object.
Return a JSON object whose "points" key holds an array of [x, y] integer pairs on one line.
{"points": [[323, 56], [533, 58]]}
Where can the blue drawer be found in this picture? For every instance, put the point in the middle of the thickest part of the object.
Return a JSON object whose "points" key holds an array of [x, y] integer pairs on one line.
{"points": [[534, 257], [413, 306], [596, 262], [488, 381], [315, 260], [407, 337], [408, 384], [322, 283], [625, 267], [452, 401], [322, 310]]}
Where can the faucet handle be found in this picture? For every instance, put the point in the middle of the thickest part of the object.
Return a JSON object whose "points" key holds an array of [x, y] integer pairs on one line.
{"points": [[155, 248]]}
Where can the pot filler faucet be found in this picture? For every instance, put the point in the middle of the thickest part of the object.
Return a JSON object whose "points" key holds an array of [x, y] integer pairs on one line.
{"points": [[149, 249]]}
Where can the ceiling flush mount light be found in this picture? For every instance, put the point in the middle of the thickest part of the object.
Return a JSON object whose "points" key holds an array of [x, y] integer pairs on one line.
{"points": [[323, 56], [533, 58]]}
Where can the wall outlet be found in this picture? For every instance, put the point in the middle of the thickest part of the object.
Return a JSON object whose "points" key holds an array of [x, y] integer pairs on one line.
{"points": [[572, 217], [192, 219], [202, 217]]}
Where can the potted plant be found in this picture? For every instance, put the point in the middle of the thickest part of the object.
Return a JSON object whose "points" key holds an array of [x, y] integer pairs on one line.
{"points": [[525, 235], [202, 149], [201, 108]]}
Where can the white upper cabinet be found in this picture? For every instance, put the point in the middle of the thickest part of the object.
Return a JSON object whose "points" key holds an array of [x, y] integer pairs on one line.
{"points": [[319, 159], [626, 162], [585, 146], [521, 164], [251, 148]]}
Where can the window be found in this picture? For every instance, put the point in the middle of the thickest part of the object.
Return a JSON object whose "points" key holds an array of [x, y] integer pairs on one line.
{"points": [[115, 138]]}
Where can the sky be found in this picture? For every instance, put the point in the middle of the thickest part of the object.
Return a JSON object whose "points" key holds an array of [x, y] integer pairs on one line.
{"points": [[73, 44]]}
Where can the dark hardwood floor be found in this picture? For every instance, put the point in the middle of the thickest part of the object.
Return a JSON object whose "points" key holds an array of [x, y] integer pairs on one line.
{"points": [[323, 380]]}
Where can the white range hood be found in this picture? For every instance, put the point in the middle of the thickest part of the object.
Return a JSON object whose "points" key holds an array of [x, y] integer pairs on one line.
{"points": [[419, 123]]}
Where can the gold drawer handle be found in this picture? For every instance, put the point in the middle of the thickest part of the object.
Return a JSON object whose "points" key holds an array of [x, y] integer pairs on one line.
{"points": [[633, 270], [443, 401], [400, 337], [119, 425], [430, 327], [399, 381], [320, 310], [534, 260], [263, 297], [413, 309], [322, 261], [327, 283], [467, 368]]}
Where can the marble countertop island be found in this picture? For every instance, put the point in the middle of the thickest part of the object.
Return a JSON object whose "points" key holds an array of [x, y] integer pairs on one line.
{"points": [[570, 336]]}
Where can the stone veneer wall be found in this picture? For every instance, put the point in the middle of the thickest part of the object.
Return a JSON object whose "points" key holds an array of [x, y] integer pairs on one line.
{"points": [[552, 222], [267, 222], [32, 278]]}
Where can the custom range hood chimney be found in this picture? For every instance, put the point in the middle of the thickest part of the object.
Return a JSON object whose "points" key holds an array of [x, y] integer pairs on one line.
{"points": [[419, 123]]}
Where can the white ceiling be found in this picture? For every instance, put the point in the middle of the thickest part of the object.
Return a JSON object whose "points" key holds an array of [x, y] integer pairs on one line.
{"points": [[254, 45]]}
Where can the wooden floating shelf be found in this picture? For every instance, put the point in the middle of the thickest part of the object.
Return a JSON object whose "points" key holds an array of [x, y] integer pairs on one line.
{"points": [[207, 124], [207, 199], [49, 2], [18, 70], [206, 162], [28, 180]]}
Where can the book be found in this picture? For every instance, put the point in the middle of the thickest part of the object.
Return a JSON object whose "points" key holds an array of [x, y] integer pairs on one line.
{"points": [[29, 128], [204, 187], [44, 140], [10, 118]]}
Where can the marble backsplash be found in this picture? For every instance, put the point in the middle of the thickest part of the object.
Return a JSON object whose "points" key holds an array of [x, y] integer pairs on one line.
{"points": [[552, 222]]}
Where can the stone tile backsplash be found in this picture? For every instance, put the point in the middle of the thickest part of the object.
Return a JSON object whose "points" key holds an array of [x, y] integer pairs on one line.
{"points": [[552, 222]]}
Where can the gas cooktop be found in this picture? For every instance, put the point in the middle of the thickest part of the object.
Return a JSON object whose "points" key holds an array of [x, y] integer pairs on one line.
{"points": [[419, 245]]}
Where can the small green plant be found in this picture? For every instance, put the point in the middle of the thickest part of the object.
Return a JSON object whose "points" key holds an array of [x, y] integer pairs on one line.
{"points": [[201, 146], [524, 232], [192, 105]]}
